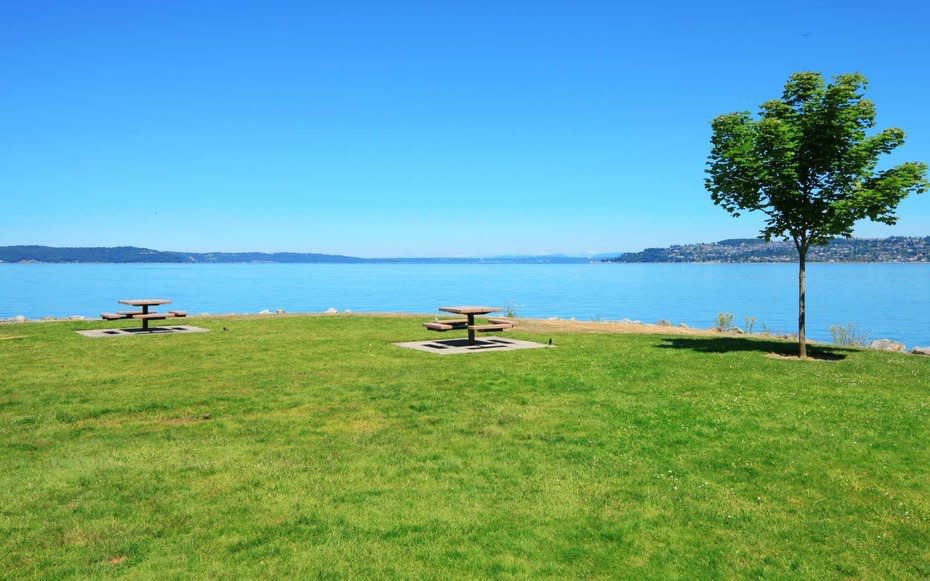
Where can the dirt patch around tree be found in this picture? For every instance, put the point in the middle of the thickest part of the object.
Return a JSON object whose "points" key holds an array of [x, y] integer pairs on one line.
{"points": [[810, 357]]}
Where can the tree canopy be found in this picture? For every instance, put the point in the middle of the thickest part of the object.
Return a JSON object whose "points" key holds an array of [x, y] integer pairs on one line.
{"points": [[808, 162]]}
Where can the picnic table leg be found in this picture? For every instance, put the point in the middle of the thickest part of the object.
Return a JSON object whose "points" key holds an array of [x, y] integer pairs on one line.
{"points": [[145, 322], [471, 331]]}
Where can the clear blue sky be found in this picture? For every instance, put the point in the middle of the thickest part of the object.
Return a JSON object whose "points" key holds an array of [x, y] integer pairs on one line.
{"points": [[412, 128]]}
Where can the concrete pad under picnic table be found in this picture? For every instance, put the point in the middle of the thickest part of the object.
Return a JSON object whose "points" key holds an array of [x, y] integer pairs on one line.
{"points": [[459, 346], [129, 331]]}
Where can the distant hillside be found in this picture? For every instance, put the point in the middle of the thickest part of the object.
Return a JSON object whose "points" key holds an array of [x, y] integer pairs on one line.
{"points": [[895, 249], [125, 254], [132, 254]]}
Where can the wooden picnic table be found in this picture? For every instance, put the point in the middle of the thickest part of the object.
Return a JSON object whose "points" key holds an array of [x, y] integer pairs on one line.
{"points": [[470, 312], [144, 303], [145, 315]]}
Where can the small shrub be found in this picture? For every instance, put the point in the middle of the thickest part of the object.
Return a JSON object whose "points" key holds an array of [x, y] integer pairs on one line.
{"points": [[749, 323], [724, 321], [664, 323], [849, 336], [511, 310]]}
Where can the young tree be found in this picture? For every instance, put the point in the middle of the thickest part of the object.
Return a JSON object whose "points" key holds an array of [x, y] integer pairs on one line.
{"points": [[809, 164]]}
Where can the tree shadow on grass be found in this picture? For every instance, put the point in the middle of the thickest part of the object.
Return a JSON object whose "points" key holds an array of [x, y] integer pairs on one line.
{"points": [[777, 349]]}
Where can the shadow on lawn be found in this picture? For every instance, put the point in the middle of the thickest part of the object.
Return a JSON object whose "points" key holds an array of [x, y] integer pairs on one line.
{"points": [[777, 349]]}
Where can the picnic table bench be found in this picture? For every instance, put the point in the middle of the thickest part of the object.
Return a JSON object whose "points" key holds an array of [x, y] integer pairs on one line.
{"points": [[493, 325], [144, 315]]}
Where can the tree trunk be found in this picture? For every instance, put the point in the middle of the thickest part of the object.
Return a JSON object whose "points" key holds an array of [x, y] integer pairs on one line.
{"points": [[802, 297]]}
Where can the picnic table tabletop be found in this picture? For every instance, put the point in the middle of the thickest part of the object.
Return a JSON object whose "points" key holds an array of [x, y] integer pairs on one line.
{"points": [[471, 310], [144, 302]]}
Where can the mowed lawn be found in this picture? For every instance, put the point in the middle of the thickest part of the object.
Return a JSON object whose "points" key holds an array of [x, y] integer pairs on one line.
{"points": [[313, 447]]}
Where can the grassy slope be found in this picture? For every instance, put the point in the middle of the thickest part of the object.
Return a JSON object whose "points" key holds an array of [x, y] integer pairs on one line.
{"points": [[328, 451]]}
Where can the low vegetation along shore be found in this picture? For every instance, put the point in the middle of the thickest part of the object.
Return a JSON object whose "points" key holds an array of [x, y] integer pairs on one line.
{"points": [[312, 446]]}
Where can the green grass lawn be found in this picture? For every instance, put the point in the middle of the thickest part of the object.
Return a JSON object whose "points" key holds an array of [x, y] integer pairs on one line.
{"points": [[313, 447]]}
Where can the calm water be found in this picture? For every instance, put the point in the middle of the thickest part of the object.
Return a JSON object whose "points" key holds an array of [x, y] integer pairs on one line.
{"points": [[887, 300]]}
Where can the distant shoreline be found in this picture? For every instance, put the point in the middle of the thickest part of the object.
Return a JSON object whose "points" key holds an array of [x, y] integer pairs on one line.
{"points": [[896, 249], [135, 255], [386, 262]]}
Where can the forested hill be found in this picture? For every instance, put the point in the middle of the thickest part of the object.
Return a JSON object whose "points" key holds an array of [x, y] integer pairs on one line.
{"points": [[895, 249], [132, 254]]}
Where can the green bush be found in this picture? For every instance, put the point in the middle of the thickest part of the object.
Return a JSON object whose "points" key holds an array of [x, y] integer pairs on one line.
{"points": [[724, 321], [849, 336]]}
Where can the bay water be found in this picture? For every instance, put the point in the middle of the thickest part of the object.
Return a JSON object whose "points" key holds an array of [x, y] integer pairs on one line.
{"points": [[884, 300]]}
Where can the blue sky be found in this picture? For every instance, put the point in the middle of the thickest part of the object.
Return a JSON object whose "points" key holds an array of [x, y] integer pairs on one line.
{"points": [[412, 128]]}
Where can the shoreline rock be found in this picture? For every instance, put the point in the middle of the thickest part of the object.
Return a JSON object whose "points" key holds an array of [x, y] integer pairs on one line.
{"points": [[888, 345]]}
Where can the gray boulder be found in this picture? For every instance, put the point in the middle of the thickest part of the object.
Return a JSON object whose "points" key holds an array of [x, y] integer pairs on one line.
{"points": [[888, 345], [331, 311], [921, 351], [19, 319]]}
